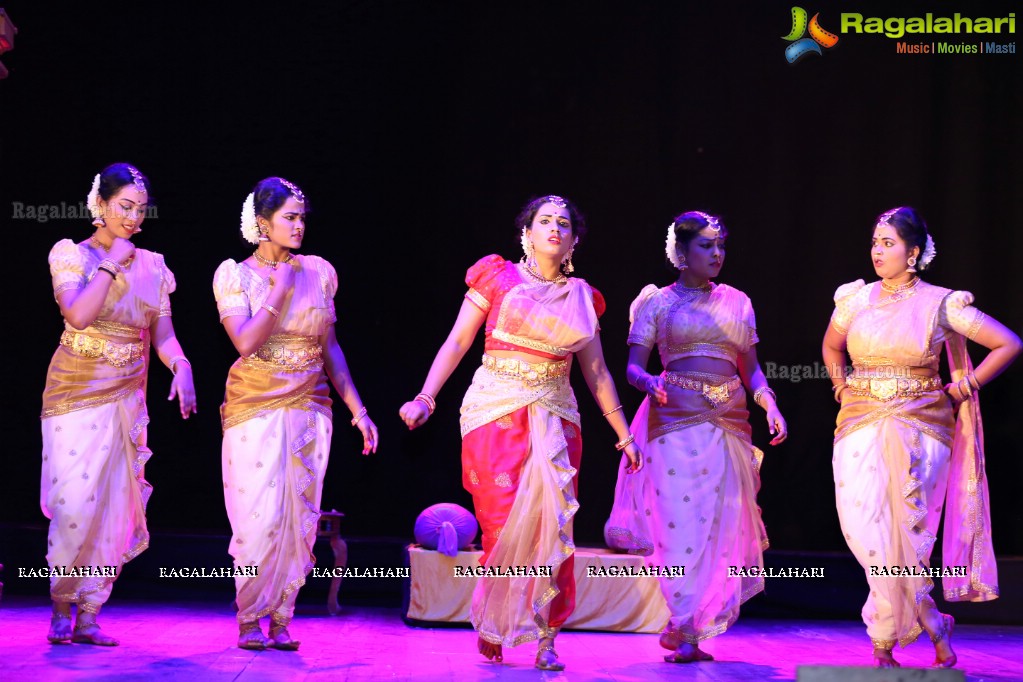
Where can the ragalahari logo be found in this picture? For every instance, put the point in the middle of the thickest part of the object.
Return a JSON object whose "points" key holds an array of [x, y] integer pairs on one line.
{"points": [[801, 46]]}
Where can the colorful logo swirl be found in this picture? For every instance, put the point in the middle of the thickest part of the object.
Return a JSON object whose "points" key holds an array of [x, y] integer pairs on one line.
{"points": [[801, 46]]}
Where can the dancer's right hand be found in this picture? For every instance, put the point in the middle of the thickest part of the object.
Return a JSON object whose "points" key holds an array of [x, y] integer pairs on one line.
{"points": [[414, 413], [283, 276], [121, 251], [653, 385]]}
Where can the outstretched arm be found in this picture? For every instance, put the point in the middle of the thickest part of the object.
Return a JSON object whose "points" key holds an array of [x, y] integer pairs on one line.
{"points": [[470, 318], [337, 370], [602, 386]]}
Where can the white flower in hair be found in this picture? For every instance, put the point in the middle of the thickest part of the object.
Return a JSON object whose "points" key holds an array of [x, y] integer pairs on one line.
{"points": [[92, 201], [250, 230], [670, 250], [928, 254]]}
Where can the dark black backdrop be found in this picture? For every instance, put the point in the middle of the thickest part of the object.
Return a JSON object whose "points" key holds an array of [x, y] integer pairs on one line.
{"points": [[418, 128]]}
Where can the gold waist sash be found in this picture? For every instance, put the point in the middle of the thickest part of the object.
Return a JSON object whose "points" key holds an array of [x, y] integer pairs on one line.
{"points": [[530, 373], [886, 388], [715, 394], [116, 353], [287, 352]]}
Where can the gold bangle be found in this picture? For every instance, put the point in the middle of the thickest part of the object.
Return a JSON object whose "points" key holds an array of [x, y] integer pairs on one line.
{"points": [[359, 415], [612, 411], [625, 442], [973, 381], [175, 360], [270, 309], [427, 400]]}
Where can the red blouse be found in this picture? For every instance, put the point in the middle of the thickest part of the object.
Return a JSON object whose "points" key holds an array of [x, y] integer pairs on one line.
{"points": [[489, 280]]}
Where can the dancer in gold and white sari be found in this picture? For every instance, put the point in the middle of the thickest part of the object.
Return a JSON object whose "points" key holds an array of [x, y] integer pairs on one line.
{"points": [[115, 300], [278, 309], [907, 448], [521, 440], [694, 504]]}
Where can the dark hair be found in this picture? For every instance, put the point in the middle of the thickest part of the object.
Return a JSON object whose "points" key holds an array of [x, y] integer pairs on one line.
{"points": [[910, 227], [528, 212], [691, 223], [271, 193], [117, 175]]}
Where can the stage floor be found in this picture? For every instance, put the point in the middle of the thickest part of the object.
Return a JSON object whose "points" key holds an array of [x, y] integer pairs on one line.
{"points": [[196, 642]]}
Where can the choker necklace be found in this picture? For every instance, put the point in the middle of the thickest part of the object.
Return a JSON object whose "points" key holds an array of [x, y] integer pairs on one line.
{"points": [[97, 244], [896, 288], [272, 264], [683, 289], [540, 278]]}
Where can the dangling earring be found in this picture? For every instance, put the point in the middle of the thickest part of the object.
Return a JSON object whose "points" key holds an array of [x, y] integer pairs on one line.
{"points": [[528, 249], [682, 262], [99, 223], [912, 264], [263, 236], [567, 260]]}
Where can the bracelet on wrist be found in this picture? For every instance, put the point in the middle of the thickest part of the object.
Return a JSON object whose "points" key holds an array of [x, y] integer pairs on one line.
{"points": [[625, 442], [175, 360], [838, 392], [759, 393], [113, 275], [270, 309], [612, 411], [357, 417], [428, 400], [973, 381]]}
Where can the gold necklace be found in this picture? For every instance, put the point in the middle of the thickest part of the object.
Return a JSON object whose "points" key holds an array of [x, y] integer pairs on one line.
{"points": [[272, 264], [540, 278], [683, 289], [896, 288], [97, 244]]}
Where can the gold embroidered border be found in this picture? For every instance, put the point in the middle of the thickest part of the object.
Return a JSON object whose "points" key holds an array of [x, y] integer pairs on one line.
{"points": [[978, 320], [529, 343], [479, 299]]}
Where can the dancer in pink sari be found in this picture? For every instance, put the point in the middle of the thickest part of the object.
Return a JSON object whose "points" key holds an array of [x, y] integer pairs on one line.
{"points": [[907, 448], [521, 443], [278, 309], [694, 504], [115, 300]]}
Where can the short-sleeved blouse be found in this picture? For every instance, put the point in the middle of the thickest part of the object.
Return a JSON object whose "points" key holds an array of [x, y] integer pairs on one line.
{"points": [[718, 324], [308, 308], [136, 298], [906, 328], [491, 279]]}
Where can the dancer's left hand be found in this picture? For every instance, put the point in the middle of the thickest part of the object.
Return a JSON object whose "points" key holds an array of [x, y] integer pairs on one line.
{"points": [[370, 436], [635, 456], [183, 389]]}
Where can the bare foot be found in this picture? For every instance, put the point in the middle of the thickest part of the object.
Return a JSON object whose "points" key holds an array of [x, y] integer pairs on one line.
{"points": [[547, 657], [493, 652], [250, 636], [281, 639], [941, 636], [688, 653], [883, 659], [89, 632], [60, 624]]}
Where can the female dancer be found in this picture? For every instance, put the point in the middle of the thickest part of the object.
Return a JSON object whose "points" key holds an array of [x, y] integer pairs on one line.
{"points": [[899, 446], [115, 300], [521, 445], [278, 309], [695, 504]]}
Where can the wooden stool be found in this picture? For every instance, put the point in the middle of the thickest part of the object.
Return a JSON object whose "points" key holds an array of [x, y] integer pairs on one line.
{"points": [[330, 527]]}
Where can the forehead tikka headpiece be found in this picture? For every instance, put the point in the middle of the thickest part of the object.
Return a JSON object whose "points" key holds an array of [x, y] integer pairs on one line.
{"points": [[136, 179], [556, 200], [295, 191]]}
